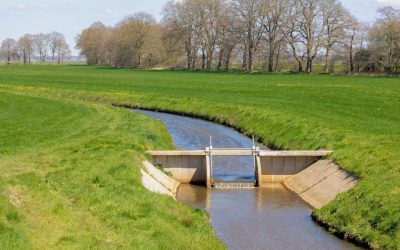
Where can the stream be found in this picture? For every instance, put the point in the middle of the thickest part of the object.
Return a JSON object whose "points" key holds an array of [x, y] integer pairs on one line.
{"points": [[271, 217]]}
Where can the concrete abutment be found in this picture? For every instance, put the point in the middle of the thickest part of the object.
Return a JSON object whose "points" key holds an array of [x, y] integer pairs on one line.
{"points": [[304, 172]]}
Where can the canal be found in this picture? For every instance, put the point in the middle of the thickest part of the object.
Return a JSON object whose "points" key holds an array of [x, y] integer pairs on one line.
{"points": [[271, 217]]}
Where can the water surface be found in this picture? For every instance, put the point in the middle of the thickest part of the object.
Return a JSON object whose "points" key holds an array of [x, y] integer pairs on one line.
{"points": [[263, 218]]}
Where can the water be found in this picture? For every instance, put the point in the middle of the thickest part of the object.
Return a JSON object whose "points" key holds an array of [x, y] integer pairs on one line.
{"points": [[263, 218]]}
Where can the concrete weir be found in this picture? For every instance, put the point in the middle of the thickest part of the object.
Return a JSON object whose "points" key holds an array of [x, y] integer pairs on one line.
{"points": [[316, 181]]}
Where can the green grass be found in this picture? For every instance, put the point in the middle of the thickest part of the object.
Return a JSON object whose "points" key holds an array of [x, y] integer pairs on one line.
{"points": [[358, 117], [70, 180]]}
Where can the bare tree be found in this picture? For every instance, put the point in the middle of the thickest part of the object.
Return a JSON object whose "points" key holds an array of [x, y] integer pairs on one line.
{"points": [[291, 32], [272, 14], [228, 36], [9, 49], [56, 41], [41, 43], [336, 21], [385, 37], [311, 29], [256, 33], [250, 14], [63, 51], [213, 10], [352, 31], [25, 46]]}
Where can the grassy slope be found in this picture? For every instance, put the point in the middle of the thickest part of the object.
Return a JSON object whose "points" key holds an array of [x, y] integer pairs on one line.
{"points": [[70, 179], [358, 117]]}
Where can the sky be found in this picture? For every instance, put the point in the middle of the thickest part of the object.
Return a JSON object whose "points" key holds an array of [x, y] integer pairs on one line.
{"points": [[70, 17]]}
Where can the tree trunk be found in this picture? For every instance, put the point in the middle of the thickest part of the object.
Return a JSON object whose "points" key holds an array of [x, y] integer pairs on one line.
{"points": [[299, 62], [249, 65], [189, 60], [209, 60], [220, 59], [244, 63], [203, 58], [228, 58], [309, 62], [193, 61], [328, 51], [300, 66], [25, 58], [250, 60], [271, 57], [188, 57], [270, 61], [278, 53], [351, 55]]}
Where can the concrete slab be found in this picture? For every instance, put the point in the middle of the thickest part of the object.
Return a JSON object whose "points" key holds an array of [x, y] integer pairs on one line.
{"points": [[320, 183]]}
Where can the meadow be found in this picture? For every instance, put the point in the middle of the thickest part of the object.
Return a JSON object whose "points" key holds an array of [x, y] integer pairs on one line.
{"points": [[70, 180], [356, 116]]}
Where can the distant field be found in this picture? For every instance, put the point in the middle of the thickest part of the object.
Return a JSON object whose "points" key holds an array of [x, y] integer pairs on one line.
{"points": [[358, 117]]}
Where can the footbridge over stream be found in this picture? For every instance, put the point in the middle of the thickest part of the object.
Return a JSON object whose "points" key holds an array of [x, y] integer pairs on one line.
{"points": [[196, 166]]}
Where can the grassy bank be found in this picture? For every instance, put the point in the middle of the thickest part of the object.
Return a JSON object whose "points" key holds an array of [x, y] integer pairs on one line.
{"points": [[358, 117], [70, 179]]}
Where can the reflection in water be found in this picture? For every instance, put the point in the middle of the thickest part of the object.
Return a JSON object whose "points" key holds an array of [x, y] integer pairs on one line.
{"points": [[233, 168], [265, 218], [262, 218]]}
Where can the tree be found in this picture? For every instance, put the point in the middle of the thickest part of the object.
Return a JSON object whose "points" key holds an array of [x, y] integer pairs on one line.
{"points": [[384, 37], [63, 51], [272, 13], [41, 43], [25, 47], [212, 21], [336, 21], [94, 43], [185, 18], [311, 29], [352, 31], [249, 13], [56, 42], [9, 49], [131, 36], [228, 36], [255, 33], [291, 32]]}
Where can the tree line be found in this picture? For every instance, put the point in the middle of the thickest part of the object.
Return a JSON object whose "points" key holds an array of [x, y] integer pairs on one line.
{"points": [[270, 35], [41, 46]]}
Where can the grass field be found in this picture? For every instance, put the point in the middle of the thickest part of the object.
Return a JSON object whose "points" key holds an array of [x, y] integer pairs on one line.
{"points": [[69, 179], [358, 117]]}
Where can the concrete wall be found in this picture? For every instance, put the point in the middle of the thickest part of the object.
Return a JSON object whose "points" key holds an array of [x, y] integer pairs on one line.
{"points": [[184, 168], [156, 181], [192, 166], [320, 183], [280, 168]]}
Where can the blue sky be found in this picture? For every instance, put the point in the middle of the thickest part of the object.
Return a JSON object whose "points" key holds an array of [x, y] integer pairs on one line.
{"points": [[69, 17]]}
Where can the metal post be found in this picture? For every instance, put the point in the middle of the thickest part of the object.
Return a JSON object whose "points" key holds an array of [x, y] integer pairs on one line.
{"points": [[208, 168], [254, 160], [211, 162]]}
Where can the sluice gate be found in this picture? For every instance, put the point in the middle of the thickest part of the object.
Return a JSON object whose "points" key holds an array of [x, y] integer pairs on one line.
{"points": [[196, 166]]}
